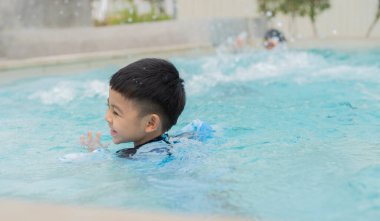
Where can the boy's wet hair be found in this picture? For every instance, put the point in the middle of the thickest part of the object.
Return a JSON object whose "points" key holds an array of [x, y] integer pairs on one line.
{"points": [[154, 84], [274, 34]]}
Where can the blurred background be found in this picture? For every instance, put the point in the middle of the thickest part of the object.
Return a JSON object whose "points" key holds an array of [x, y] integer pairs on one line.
{"points": [[40, 28]]}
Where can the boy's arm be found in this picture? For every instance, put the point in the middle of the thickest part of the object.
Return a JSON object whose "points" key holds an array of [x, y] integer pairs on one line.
{"points": [[92, 144]]}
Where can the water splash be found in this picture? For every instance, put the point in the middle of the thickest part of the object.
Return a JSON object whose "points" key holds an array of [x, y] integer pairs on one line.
{"points": [[62, 93], [67, 91], [227, 68], [300, 66]]}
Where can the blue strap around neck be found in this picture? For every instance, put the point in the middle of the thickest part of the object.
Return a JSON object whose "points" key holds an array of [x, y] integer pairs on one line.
{"points": [[128, 152]]}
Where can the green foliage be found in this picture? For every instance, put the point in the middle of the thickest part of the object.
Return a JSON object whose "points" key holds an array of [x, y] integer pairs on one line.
{"points": [[127, 16], [271, 6], [377, 17], [310, 8], [131, 14], [293, 7]]}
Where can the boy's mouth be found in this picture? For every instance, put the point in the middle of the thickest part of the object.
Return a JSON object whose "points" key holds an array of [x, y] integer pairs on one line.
{"points": [[113, 132]]}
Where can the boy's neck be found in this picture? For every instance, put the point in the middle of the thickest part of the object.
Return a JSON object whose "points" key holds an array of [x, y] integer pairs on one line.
{"points": [[147, 138]]}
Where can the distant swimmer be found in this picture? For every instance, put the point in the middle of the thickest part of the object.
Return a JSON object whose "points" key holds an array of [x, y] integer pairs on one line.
{"points": [[273, 38]]}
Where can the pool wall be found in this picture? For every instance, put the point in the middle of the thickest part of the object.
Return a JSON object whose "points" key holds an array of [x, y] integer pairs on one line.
{"points": [[186, 33]]}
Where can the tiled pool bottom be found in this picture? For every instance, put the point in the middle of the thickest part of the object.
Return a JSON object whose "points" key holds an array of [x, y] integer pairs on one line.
{"points": [[296, 138]]}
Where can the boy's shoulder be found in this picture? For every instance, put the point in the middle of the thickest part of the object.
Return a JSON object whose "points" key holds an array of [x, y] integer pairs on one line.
{"points": [[157, 146], [197, 131]]}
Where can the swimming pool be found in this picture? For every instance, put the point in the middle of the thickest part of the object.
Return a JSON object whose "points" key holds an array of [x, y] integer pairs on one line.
{"points": [[297, 137]]}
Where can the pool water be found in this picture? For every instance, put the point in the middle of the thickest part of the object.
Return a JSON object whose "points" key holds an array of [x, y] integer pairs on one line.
{"points": [[297, 137]]}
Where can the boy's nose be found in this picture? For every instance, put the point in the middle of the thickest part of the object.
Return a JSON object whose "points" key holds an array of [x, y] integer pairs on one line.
{"points": [[107, 116]]}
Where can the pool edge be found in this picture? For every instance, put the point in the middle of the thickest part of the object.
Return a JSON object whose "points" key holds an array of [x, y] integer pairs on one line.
{"points": [[16, 210]]}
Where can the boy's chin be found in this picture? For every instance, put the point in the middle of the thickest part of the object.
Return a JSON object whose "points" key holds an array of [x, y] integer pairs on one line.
{"points": [[116, 141]]}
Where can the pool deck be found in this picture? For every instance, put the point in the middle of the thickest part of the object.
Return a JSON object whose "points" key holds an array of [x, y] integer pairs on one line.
{"points": [[31, 211], [15, 69]]}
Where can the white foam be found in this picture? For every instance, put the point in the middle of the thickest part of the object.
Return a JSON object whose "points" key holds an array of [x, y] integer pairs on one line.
{"points": [[96, 88], [302, 67], [273, 65], [347, 72], [67, 91], [61, 93]]}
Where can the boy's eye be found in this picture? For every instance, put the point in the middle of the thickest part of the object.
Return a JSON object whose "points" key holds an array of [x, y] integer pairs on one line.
{"points": [[115, 113]]}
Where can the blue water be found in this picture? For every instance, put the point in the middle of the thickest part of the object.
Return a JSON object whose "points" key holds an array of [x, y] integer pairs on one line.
{"points": [[297, 137]]}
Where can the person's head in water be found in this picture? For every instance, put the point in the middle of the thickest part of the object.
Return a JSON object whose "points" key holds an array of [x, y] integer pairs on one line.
{"points": [[145, 100], [272, 38]]}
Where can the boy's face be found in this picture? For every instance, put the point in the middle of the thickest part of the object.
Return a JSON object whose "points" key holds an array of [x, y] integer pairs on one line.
{"points": [[126, 125], [271, 43]]}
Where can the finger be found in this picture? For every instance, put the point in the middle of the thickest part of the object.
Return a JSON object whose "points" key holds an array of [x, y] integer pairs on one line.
{"points": [[89, 136], [97, 138], [82, 141]]}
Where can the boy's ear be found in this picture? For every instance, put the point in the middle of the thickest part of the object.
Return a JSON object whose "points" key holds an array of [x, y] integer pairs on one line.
{"points": [[153, 123]]}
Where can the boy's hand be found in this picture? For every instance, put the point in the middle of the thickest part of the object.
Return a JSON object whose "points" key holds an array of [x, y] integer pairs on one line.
{"points": [[92, 144]]}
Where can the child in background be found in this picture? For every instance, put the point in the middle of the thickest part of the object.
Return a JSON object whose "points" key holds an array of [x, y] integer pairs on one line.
{"points": [[273, 38]]}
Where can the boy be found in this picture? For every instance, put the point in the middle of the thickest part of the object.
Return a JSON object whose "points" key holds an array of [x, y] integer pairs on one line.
{"points": [[273, 38], [145, 100]]}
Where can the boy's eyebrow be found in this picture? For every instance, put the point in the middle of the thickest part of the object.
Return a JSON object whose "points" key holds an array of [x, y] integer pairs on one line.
{"points": [[114, 106]]}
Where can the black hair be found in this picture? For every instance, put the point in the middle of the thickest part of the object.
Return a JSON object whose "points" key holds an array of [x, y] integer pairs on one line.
{"points": [[274, 33], [155, 85]]}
